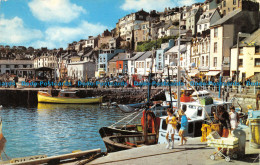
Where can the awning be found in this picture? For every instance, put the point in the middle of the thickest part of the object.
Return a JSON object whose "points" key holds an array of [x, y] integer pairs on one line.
{"points": [[193, 73], [212, 73]]}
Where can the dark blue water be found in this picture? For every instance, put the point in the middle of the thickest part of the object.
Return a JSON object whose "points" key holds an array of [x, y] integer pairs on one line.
{"points": [[55, 129]]}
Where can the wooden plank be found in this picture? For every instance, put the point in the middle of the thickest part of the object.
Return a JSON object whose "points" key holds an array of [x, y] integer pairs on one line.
{"points": [[59, 157]]}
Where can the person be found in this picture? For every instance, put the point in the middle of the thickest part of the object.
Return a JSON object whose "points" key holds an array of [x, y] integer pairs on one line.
{"points": [[234, 118], [184, 125], [223, 117], [171, 128]]}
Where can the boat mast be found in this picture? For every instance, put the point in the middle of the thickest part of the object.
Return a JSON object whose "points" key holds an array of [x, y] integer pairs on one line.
{"points": [[149, 91], [178, 66]]}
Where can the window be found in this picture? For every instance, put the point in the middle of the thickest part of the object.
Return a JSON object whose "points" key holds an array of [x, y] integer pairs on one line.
{"points": [[215, 61], [207, 60], [15, 66], [160, 56], [137, 65], [224, 12], [215, 32], [234, 8], [200, 27], [241, 51], [205, 26], [257, 62], [224, 3], [132, 62], [215, 47], [142, 64], [159, 65], [120, 66], [100, 59], [7, 66], [104, 59], [148, 64], [202, 60], [234, 2], [257, 49], [240, 62]]}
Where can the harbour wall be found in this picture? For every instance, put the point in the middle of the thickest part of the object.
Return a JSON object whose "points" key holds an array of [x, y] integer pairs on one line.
{"points": [[28, 97]]}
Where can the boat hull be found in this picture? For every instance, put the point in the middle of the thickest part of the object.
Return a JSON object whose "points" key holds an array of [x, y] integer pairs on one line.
{"points": [[125, 142], [62, 100], [109, 131]]}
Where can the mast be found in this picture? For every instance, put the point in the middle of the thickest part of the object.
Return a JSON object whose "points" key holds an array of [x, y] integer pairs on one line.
{"points": [[178, 67]]}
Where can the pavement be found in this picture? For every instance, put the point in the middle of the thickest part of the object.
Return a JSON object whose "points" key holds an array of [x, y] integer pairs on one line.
{"points": [[193, 153]]}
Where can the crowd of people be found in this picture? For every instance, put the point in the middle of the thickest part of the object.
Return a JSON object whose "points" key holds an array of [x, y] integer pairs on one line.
{"points": [[178, 123]]}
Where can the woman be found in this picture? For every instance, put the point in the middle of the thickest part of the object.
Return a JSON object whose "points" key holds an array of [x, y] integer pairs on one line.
{"points": [[234, 118], [223, 117], [171, 128], [184, 125]]}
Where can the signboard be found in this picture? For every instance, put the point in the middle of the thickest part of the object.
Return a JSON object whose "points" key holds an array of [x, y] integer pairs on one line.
{"points": [[25, 159]]}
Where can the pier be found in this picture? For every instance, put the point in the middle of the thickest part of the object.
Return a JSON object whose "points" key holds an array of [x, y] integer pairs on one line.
{"points": [[28, 96]]}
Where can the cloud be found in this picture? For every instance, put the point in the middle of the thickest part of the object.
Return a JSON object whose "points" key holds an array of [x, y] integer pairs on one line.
{"points": [[154, 4], [55, 10], [58, 36], [13, 31]]}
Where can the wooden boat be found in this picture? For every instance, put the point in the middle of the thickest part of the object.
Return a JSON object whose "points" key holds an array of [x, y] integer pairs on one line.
{"points": [[66, 97], [120, 130], [124, 142]]}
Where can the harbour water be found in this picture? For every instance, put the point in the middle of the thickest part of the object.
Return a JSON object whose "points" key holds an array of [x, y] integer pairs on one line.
{"points": [[54, 129]]}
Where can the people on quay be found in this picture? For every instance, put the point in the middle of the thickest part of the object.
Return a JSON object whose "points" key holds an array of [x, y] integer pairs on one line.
{"points": [[184, 127], [223, 117], [234, 118], [171, 128]]}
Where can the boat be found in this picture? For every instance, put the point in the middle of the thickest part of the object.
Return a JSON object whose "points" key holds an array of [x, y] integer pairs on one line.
{"points": [[124, 142], [127, 108], [66, 97]]}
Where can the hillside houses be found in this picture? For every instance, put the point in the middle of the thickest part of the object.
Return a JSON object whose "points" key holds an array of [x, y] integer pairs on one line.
{"points": [[208, 33]]}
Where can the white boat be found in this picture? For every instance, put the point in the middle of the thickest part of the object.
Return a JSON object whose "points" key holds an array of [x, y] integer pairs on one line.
{"points": [[197, 115]]}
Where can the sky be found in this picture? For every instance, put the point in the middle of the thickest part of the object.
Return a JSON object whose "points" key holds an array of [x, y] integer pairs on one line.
{"points": [[55, 23]]}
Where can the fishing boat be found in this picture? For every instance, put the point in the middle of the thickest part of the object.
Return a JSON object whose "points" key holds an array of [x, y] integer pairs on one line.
{"points": [[127, 108], [124, 142], [66, 97]]}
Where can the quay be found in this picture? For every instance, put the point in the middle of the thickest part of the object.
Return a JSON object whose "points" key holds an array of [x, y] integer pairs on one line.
{"points": [[193, 153], [28, 96]]}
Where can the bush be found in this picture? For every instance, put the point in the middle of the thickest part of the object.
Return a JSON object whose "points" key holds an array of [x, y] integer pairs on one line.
{"points": [[148, 45]]}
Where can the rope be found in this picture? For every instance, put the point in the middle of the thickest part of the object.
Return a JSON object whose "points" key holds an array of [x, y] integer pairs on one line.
{"points": [[124, 118], [134, 117]]}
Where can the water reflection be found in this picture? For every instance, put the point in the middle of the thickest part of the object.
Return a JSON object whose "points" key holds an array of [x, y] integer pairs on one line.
{"points": [[54, 129]]}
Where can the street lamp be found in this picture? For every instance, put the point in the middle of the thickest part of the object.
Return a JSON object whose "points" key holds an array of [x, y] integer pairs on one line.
{"points": [[240, 34]]}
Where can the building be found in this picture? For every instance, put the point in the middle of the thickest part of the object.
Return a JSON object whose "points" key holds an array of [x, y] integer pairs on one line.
{"points": [[249, 57], [227, 6], [193, 18], [160, 57], [143, 62], [21, 68], [131, 63], [200, 49], [223, 36], [91, 42], [207, 19], [118, 65], [81, 70], [103, 58]]}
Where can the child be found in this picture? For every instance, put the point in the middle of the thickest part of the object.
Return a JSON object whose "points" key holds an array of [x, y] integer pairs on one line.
{"points": [[171, 128], [184, 125]]}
